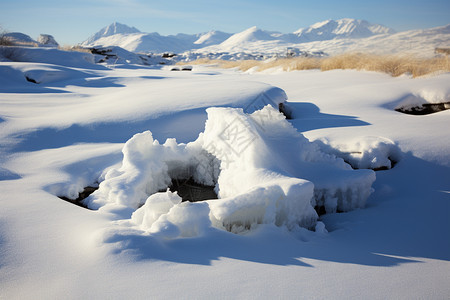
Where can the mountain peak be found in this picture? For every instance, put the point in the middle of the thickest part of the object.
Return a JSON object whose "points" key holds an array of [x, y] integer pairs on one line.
{"points": [[116, 28], [212, 37], [112, 29], [342, 28], [251, 34]]}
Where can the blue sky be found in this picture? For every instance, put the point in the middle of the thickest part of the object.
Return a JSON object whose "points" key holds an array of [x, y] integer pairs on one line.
{"points": [[71, 22]]}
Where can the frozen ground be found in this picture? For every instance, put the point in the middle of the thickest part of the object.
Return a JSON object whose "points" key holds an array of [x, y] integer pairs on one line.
{"points": [[84, 124]]}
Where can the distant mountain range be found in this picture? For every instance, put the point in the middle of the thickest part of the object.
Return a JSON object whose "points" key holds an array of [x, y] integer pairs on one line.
{"points": [[331, 37], [133, 40], [344, 28]]}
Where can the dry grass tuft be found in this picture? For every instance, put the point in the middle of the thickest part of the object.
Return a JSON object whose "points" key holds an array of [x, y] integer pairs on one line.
{"points": [[394, 65], [74, 48]]}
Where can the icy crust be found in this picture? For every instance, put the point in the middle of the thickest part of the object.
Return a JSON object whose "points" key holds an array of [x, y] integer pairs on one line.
{"points": [[264, 149], [148, 167], [263, 170]]}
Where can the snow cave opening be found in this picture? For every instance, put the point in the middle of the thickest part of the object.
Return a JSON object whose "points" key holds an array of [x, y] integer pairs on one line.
{"points": [[190, 190]]}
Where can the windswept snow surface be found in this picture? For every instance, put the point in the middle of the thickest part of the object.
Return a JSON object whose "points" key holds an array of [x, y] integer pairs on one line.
{"points": [[130, 129]]}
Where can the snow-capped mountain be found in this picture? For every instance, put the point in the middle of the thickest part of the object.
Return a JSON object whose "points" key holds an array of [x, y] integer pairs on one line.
{"points": [[343, 28], [253, 34], [132, 39], [331, 37], [212, 37], [112, 29], [144, 42]]}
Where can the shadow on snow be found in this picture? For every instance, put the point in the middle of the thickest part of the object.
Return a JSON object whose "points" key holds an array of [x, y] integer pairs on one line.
{"points": [[169, 126], [307, 116]]}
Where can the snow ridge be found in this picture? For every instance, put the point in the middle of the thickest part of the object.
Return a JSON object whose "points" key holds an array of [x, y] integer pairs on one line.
{"points": [[212, 37], [343, 28]]}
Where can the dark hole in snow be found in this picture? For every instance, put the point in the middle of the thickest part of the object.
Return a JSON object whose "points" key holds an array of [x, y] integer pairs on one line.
{"points": [[31, 79], [381, 168], [425, 109], [191, 191], [81, 196], [320, 210], [175, 69], [282, 108]]}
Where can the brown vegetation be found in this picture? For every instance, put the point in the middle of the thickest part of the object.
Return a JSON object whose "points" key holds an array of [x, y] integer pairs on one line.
{"points": [[445, 51], [4, 39], [395, 65], [74, 48]]}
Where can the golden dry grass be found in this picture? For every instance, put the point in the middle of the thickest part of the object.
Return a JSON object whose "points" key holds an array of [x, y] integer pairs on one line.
{"points": [[395, 65], [74, 48]]}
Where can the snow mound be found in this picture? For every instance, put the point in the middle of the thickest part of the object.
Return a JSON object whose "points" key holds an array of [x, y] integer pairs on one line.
{"points": [[423, 97], [368, 152], [18, 38], [53, 56], [47, 40], [166, 216], [432, 97], [38, 73], [263, 170]]}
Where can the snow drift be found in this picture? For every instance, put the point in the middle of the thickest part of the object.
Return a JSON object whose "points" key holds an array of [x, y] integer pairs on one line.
{"points": [[263, 170]]}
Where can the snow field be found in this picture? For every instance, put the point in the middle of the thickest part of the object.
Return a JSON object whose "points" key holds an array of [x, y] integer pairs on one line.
{"points": [[61, 135]]}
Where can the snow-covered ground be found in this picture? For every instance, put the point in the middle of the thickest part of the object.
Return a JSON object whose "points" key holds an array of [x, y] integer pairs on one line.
{"points": [[384, 235]]}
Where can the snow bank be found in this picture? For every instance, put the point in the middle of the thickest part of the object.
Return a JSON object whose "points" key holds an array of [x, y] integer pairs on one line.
{"points": [[369, 152], [423, 96], [38, 73], [53, 56], [263, 170]]}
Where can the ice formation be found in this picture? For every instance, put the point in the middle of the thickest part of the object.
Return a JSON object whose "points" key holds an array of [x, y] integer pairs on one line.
{"points": [[263, 170]]}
